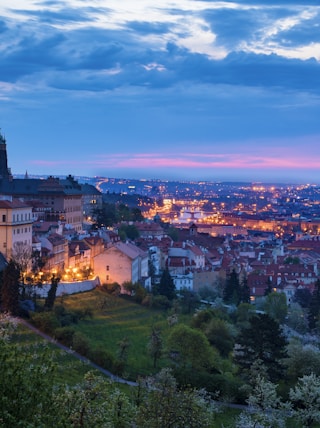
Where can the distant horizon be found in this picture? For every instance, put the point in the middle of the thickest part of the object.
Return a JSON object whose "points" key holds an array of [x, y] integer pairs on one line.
{"points": [[141, 179]]}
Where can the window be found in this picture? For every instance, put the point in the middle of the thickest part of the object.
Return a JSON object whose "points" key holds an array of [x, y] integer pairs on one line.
{"points": [[107, 267], [107, 277], [4, 218]]}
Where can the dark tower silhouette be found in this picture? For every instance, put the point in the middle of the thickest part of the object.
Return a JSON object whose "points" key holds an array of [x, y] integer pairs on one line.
{"points": [[5, 172]]}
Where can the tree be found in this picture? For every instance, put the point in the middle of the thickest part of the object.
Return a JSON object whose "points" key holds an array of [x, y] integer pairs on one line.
{"points": [[1, 285], [166, 286], [292, 260], [136, 290], [296, 318], [26, 382], [123, 348], [302, 360], [305, 400], [173, 233], [243, 314], [37, 261], [269, 287], [266, 409], [220, 336], [51, 297], [303, 296], [189, 300], [151, 270], [276, 306], [22, 255], [189, 348], [30, 398], [10, 288], [232, 291], [155, 345], [164, 405], [136, 214], [202, 318], [94, 402], [314, 309], [244, 291], [128, 231], [262, 340], [105, 216]]}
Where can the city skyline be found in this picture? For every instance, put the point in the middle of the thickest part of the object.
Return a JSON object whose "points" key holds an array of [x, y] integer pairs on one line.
{"points": [[186, 89]]}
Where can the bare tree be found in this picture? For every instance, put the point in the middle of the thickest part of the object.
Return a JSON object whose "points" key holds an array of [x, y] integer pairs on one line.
{"points": [[22, 255]]}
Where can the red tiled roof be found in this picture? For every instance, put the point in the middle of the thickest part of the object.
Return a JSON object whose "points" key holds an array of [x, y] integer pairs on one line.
{"points": [[15, 203]]}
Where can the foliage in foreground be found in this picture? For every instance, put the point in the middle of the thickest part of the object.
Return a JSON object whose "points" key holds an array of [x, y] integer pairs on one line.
{"points": [[29, 396]]}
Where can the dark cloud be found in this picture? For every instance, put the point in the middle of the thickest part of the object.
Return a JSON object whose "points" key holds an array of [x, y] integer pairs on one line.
{"points": [[97, 59], [233, 26], [269, 70], [305, 33], [145, 28], [32, 55]]}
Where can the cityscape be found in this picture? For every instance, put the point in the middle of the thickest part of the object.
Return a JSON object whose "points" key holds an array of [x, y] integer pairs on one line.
{"points": [[221, 246], [253, 222], [159, 214]]}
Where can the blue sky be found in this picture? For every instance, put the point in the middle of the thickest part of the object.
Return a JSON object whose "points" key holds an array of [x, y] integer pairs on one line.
{"points": [[181, 89]]}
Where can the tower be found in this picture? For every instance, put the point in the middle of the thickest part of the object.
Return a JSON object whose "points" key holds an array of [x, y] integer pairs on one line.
{"points": [[5, 172]]}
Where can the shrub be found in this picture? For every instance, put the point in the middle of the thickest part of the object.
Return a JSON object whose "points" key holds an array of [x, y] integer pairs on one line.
{"points": [[71, 317], [65, 335], [118, 367], [103, 358], [161, 302], [80, 343], [113, 288], [148, 301], [45, 321]]}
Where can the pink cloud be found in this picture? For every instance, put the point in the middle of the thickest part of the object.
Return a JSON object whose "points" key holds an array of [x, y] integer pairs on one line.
{"points": [[200, 160]]}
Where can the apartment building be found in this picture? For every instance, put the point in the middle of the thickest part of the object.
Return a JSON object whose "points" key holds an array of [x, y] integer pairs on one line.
{"points": [[15, 224]]}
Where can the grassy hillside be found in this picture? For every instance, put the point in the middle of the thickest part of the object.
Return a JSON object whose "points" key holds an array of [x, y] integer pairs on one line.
{"points": [[115, 319]]}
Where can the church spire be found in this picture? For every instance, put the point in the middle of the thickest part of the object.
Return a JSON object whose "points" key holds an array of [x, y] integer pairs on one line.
{"points": [[5, 172], [2, 138]]}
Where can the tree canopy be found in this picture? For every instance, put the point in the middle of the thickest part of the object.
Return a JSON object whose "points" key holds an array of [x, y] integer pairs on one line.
{"points": [[10, 288], [263, 340], [188, 347], [166, 286]]}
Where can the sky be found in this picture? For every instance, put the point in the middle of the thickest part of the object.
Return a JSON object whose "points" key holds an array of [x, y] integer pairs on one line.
{"points": [[180, 89]]}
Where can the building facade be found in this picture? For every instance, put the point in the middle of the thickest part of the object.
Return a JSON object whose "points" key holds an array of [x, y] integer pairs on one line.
{"points": [[15, 225]]}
